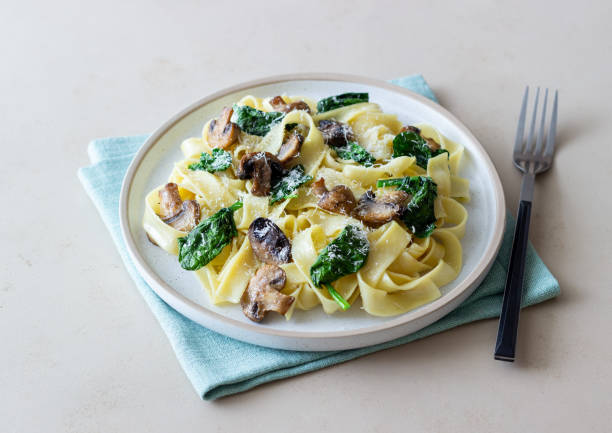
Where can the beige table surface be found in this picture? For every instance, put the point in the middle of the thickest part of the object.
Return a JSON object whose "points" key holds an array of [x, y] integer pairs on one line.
{"points": [[79, 349]]}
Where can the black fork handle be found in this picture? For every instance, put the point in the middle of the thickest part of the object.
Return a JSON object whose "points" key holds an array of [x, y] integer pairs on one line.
{"points": [[511, 307]]}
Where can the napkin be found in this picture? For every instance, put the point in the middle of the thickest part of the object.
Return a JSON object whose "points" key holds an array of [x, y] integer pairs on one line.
{"points": [[217, 365]]}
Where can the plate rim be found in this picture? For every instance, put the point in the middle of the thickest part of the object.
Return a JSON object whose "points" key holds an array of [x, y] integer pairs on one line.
{"points": [[191, 309]]}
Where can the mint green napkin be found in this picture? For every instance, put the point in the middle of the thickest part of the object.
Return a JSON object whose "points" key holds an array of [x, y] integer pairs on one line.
{"points": [[217, 365]]}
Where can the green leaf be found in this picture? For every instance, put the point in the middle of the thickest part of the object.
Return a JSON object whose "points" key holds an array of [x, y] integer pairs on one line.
{"points": [[410, 143], [256, 122], [355, 152], [343, 100], [343, 256], [419, 215], [286, 186], [207, 239], [220, 160]]}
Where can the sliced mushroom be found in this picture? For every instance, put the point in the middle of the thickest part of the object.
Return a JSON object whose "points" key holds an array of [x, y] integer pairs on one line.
{"points": [[318, 187], [339, 199], [263, 293], [411, 129], [182, 215], [269, 243], [290, 148], [222, 132], [262, 168], [433, 145], [187, 219], [395, 197], [279, 104], [430, 142], [170, 201], [336, 134], [375, 212]]}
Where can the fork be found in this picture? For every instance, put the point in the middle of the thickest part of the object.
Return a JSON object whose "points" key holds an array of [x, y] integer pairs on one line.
{"points": [[530, 160]]}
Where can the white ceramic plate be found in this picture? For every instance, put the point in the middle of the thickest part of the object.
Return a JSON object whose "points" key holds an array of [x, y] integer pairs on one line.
{"points": [[310, 330]]}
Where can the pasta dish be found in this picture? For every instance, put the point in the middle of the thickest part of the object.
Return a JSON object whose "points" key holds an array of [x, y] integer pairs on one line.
{"points": [[286, 202]]}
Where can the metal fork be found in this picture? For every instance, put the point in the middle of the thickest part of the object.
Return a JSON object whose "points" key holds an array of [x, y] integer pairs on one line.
{"points": [[531, 160]]}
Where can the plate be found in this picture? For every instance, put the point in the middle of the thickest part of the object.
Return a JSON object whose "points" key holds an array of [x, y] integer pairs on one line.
{"points": [[310, 330]]}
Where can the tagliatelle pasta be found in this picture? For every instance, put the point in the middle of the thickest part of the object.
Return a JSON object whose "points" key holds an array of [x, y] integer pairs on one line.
{"points": [[402, 271]]}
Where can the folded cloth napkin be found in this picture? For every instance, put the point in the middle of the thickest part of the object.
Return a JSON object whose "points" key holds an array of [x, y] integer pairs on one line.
{"points": [[218, 366]]}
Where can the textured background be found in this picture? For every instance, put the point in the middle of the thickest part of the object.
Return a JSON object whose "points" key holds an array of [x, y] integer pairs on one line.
{"points": [[79, 350]]}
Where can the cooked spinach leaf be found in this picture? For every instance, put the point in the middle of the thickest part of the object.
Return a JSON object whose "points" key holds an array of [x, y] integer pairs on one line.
{"points": [[286, 186], [333, 102], [410, 143], [419, 215], [355, 152], [256, 122], [343, 256], [208, 238], [219, 160]]}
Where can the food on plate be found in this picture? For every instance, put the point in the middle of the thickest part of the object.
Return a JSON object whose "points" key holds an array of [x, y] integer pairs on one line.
{"points": [[286, 203], [263, 293], [222, 132], [269, 243], [179, 214], [339, 200]]}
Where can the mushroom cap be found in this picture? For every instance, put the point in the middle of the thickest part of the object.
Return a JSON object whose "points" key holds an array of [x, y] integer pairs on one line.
{"points": [[297, 105], [318, 187], [263, 293], [411, 128], [375, 212], [279, 104], [187, 219], [290, 147], [262, 168], [222, 133], [433, 145], [336, 134], [394, 197], [339, 199], [182, 215], [170, 202], [262, 178], [269, 243]]}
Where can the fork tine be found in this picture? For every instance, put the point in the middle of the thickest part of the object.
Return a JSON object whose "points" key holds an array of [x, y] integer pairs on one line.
{"points": [[540, 137], [520, 129], [552, 129], [533, 122]]}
